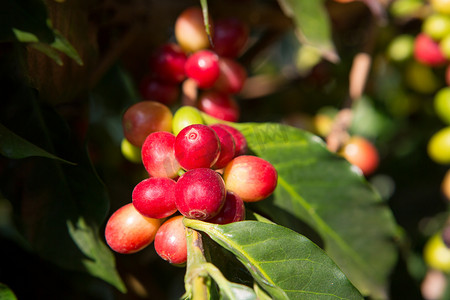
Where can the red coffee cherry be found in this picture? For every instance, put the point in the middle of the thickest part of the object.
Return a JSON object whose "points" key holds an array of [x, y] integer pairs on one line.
{"points": [[155, 197], [200, 194], [232, 76], [143, 118], [230, 37], [203, 67], [427, 51], [190, 31], [362, 153], [197, 146], [167, 63], [232, 211], [127, 231], [170, 241], [153, 89], [158, 155], [227, 146], [219, 105], [239, 139], [250, 177]]}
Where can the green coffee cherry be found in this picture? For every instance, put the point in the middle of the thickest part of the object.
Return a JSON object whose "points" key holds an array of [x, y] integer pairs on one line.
{"points": [[185, 116], [130, 152], [442, 104], [439, 146], [436, 26]]}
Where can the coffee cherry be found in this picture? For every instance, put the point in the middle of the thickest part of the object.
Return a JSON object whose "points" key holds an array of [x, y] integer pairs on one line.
{"points": [[167, 63], [155, 197], [127, 231], [436, 26], [161, 91], [250, 177], [219, 105], [143, 118], [442, 104], [232, 76], [170, 241], [230, 37], [436, 253], [130, 152], [190, 31], [197, 146], [426, 51], [200, 194], [158, 155], [401, 48], [185, 116], [232, 211], [441, 6], [227, 147], [203, 67], [439, 146], [239, 139], [444, 46], [362, 153]]}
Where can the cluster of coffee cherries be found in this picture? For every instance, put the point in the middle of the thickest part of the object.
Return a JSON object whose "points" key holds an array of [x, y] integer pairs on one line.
{"points": [[195, 171], [209, 63]]}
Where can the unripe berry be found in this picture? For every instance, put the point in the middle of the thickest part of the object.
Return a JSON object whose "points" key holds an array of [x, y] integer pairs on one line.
{"points": [[200, 194], [197, 146], [155, 197], [170, 241], [361, 153], [250, 177], [190, 31], [185, 116], [127, 231], [143, 118]]}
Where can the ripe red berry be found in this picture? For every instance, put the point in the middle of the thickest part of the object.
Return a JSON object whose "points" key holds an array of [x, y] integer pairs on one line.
{"points": [[153, 89], [239, 139], [197, 146], [219, 105], [227, 146], [200, 194], [127, 231], [230, 37], [203, 67], [170, 241], [167, 63], [232, 76], [155, 197], [250, 177], [143, 118], [361, 153], [232, 211], [158, 155], [427, 51], [190, 31]]}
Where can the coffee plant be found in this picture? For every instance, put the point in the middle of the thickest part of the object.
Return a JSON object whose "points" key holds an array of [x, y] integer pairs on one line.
{"points": [[253, 149]]}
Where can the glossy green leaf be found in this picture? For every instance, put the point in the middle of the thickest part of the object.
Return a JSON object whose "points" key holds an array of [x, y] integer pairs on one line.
{"points": [[312, 24], [286, 264], [6, 293], [13, 146], [331, 197], [99, 260]]}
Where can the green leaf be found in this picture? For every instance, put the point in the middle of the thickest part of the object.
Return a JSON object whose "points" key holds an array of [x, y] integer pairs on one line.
{"points": [[99, 260], [13, 146], [312, 25], [286, 264], [325, 192], [6, 293]]}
